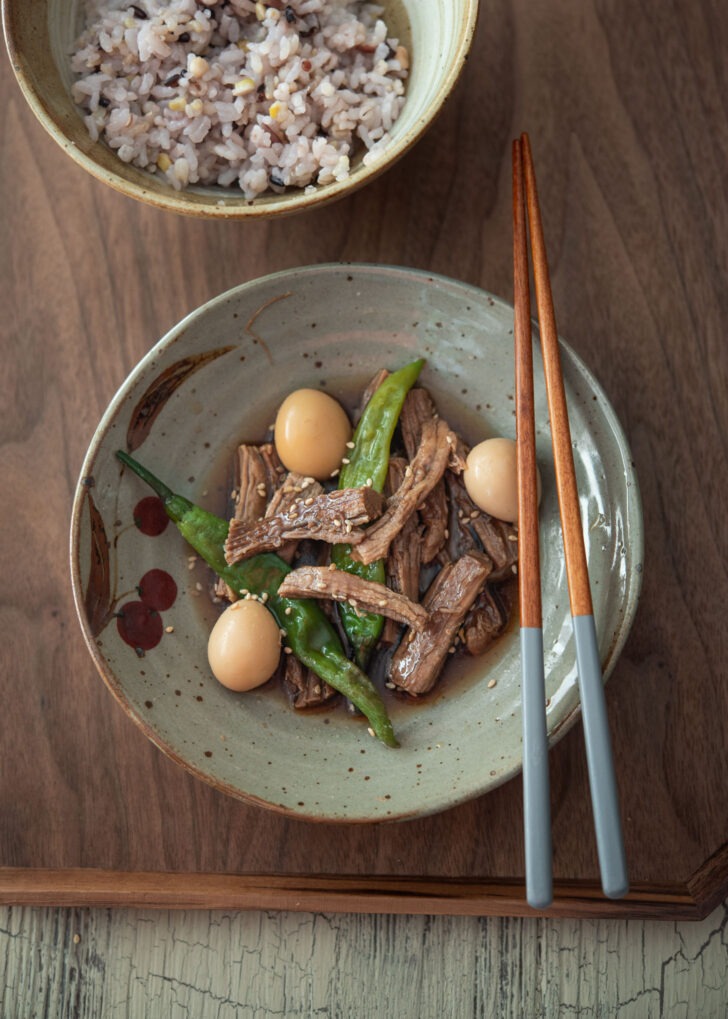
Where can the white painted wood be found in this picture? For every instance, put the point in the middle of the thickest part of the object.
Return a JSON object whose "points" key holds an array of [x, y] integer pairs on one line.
{"points": [[104, 964]]}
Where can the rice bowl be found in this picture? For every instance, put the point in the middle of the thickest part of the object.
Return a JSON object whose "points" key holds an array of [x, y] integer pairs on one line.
{"points": [[237, 93], [41, 36]]}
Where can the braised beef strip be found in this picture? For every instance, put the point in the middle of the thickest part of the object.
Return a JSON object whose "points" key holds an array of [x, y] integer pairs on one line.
{"points": [[417, 409], [417, 662], [471, 528], [335, 517], [258, 473], [421, 476], [485, 622], [403, 560], [366, 595], [500, 542], [304, 687], [294, 487]]}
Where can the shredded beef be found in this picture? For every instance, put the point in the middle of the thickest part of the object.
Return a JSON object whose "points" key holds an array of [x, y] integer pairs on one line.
{"points": [[418, 660], [403, 560], [304, 687], [335, 517], [486, 620], [421, 476], [367, 595]]}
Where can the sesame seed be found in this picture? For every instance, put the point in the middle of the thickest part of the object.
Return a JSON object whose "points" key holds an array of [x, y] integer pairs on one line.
{"points": [[446, 533], [451, 650], [370, 731], [349, 526], [198, 585], [369, 482], [264, 597], [408, 471], [492, 683], [287, 651], [334, 474], [332, 566], [513, 537], [336, 522], [350, 445], [317, 689], [169, 629], [382, 603], [474, 514], [390, 686], [287, 611], [309, 501], [514, 568], [345, 460]]}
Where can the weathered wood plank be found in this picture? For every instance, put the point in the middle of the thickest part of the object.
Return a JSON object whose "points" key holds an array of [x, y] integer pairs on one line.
{"points": [[86, 964]]}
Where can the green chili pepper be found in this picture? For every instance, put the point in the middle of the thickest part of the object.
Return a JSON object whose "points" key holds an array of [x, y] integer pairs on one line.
{"points": [[309, 633], [368, 464]]}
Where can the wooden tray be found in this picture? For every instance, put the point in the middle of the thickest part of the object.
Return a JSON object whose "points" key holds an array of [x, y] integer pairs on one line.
{"points": [[92, 812]]}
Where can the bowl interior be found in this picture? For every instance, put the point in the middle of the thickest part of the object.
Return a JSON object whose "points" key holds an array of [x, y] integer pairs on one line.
{"points": [[217, 379], [40, 36]]}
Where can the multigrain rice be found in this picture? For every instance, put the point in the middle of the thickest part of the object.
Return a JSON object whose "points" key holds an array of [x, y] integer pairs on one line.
{"points": [[237, 93]]}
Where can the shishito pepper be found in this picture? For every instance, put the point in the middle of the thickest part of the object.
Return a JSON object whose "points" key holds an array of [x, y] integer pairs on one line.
{"points": [[309, 633], [368, 465]]}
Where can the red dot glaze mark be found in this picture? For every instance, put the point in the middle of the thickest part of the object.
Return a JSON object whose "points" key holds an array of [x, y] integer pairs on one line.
{"points": [[149, 516], [158, 590], [139, 626]]}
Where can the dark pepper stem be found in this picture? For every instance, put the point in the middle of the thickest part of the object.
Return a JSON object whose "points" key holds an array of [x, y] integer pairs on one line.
{"points": [[154, 483], [175, 505]]}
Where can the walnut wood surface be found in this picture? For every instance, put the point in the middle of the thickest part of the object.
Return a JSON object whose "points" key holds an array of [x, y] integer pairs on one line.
{"points": [[625, 107]]}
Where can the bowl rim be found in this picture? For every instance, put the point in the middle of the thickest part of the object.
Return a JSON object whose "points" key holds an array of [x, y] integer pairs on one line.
{"points": [[234, 207], [113, 684]]}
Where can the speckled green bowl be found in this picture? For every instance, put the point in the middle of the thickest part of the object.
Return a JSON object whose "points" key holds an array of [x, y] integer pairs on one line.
{"points": [[40, 36], [217, 379]]}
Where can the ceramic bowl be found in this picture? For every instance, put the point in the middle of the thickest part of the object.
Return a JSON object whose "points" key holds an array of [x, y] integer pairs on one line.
{"points": [[40, 35], [217, 379]]}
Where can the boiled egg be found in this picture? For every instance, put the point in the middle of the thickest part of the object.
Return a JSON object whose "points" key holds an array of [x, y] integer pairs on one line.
{"points": [[491, 478], [311, 433], [244, 646]]}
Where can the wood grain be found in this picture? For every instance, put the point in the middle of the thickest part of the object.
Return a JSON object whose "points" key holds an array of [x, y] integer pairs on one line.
{"points": [[625, 109]]}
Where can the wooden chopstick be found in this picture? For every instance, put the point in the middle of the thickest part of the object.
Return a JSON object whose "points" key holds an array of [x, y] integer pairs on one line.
{"points": [[536, 793], [602, 782]]}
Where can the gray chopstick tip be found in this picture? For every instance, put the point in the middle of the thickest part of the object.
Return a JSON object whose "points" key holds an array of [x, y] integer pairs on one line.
{"points": [[539, 901], [616, 890]]}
